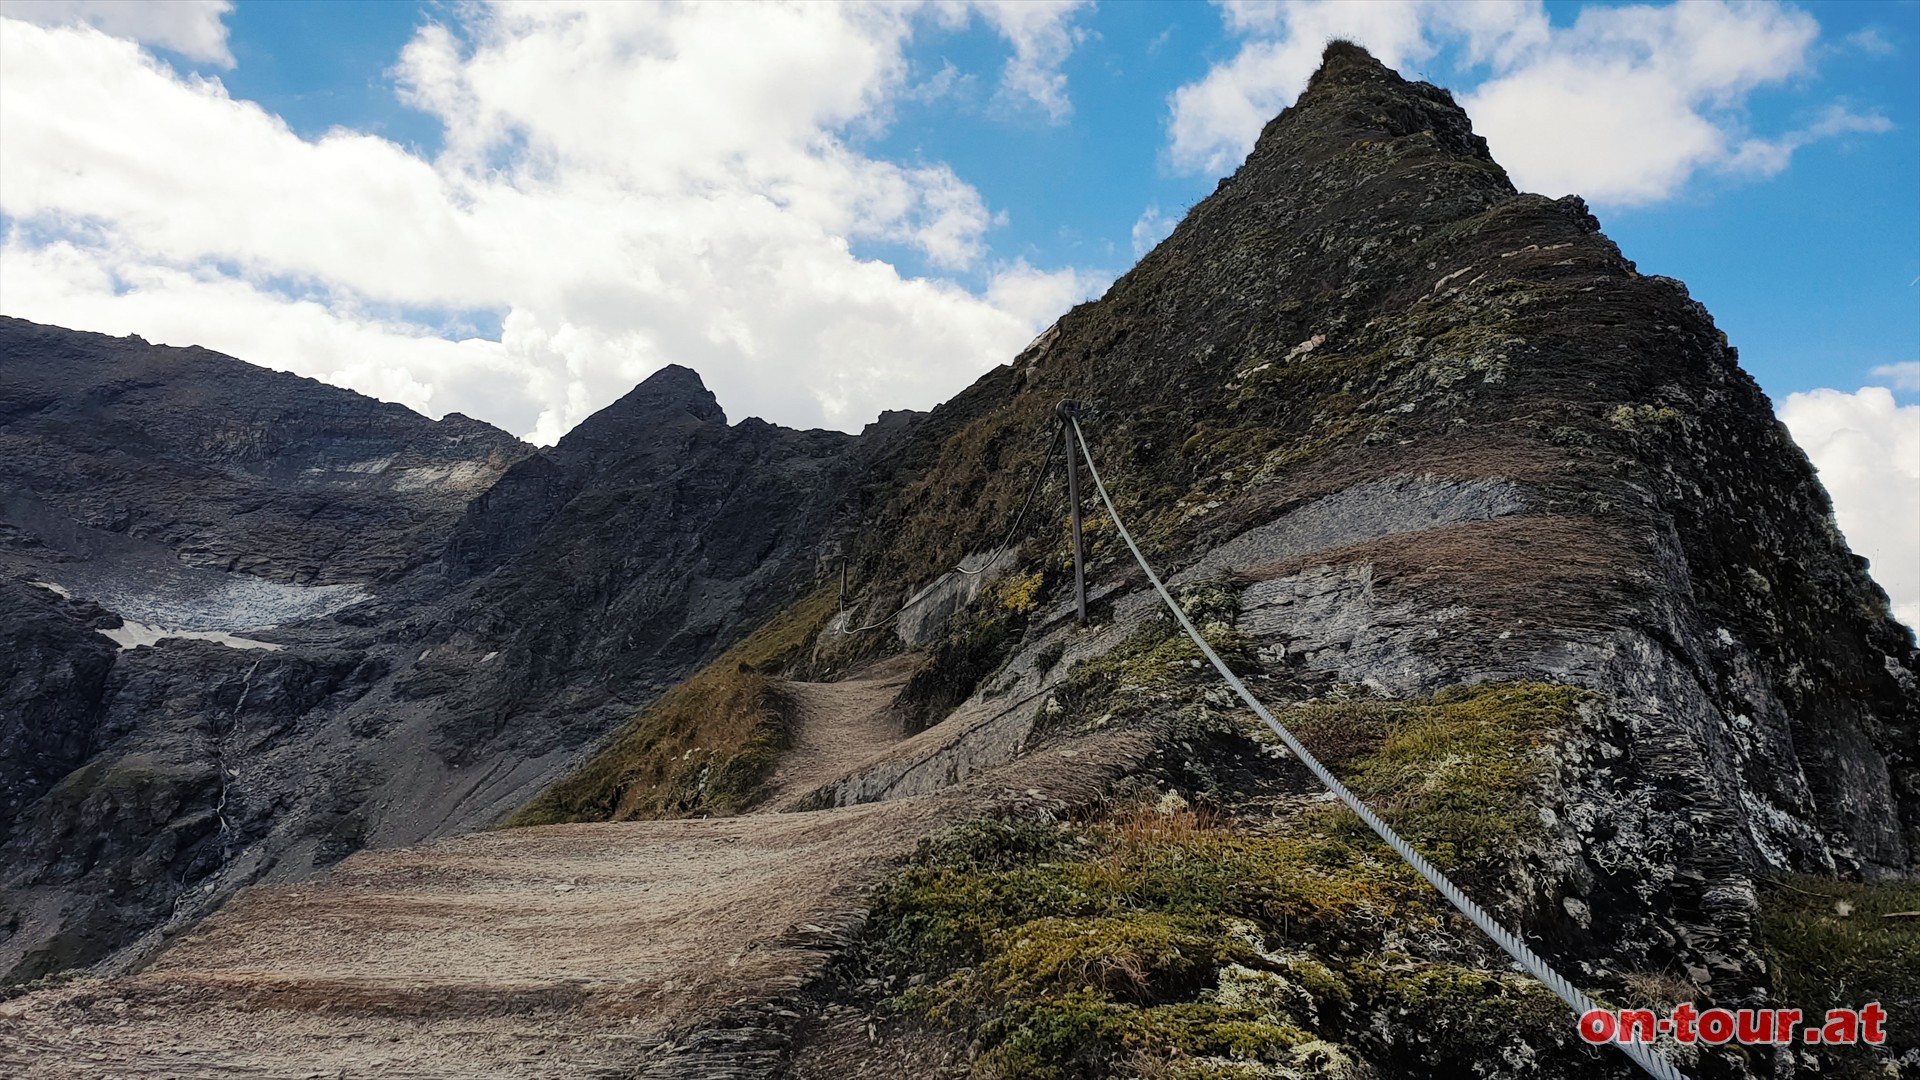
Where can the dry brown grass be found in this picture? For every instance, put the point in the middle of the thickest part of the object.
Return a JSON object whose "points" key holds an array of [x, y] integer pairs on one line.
{"points": [[1139, 827], [1505, 452], [1559, 569]]}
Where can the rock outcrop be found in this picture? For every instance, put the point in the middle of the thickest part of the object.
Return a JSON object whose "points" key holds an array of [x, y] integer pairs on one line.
{"points": [[1449, 433]]}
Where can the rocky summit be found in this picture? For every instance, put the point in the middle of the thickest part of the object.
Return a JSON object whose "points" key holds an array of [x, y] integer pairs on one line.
{"points": [[1493, 523]]}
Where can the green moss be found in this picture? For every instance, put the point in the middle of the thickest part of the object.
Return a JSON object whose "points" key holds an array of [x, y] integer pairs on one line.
{"points": [[1088, 945], [1454, 775], [1083, 1036], [706, 746], [1836, 944], [1176, 945], [934, 918], [939, 914], [994, 845], [1139, 957], [1446, 1016]]}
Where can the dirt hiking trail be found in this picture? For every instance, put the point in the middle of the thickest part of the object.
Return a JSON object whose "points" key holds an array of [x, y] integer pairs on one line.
{"points": [[668, 950], [835, 725]]}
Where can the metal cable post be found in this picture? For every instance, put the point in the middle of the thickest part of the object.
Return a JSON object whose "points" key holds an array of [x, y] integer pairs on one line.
{"points": [[1069, 411]]}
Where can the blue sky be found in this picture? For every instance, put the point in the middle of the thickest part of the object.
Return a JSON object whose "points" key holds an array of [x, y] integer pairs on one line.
{"points": [[1812, 272], [519, 211]]}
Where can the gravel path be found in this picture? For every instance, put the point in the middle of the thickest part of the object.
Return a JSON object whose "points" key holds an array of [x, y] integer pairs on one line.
{"points": [[836, 725], [565, 951]]}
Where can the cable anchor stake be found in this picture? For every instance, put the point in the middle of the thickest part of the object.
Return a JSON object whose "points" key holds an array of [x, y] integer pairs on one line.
{"points": [[1068, 411]]}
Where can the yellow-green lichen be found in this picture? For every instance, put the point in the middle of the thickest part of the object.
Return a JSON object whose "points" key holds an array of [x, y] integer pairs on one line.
{"points": [[1020, 595], [1640, 419]]}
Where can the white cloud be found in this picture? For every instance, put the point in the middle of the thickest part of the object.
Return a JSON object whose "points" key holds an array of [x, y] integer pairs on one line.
{"points": [[1152, 228], [1043, 36], [117, 293], [1040, 296], [1768, 157], [1624, 106], [1871, 41], [1904, 375], [1867, 449], [192, 28], [622, 186]]}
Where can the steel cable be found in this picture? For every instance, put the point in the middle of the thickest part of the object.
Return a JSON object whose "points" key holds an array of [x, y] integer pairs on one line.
{"points": [[1642, 1054]]}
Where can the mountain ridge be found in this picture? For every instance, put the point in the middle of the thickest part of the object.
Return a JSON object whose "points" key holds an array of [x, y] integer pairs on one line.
{"points": [[1495, 521], [431, 617]]}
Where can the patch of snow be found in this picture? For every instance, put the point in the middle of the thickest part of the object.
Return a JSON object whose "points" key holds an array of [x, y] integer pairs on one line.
{"points": [[133, 635], [175, 601], [214, 601], [371, 466], [51, 587], [460, 476]]}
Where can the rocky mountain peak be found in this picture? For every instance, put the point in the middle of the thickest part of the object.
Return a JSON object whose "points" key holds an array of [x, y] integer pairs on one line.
{"points": [[677, 386], [1349, 61], [1425, 431], [1360, 128], [672, 395]]}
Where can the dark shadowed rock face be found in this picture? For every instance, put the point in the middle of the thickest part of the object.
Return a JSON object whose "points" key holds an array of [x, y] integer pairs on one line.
{"points": [[53, 672], [648, 538], [228, 466], [386, 657]]}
